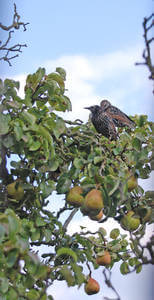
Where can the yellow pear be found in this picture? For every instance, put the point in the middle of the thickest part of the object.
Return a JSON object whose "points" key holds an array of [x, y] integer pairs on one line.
{"points": [[74, 196], [130, 221], [93, 202], [104, 259], [15, 190], [132, 183], [91, 287]]}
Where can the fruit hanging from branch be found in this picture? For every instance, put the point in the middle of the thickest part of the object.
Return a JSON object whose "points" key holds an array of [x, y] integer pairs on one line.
{"points": [[15, 190], [74, 196], [91, 287], [103, 259], [130, 221], [93, 203]]}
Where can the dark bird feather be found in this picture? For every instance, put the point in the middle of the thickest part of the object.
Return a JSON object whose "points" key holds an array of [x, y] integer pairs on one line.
{"points": [[102, 122], [120, 119]]}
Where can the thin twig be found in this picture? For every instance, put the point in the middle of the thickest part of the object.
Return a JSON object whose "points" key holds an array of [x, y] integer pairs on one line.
{"points": [[147, 51], [68, 220], [4, 46], [110, 285]]}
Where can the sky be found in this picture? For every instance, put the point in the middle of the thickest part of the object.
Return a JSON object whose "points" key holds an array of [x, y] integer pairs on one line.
{"points": [[98, 43]]}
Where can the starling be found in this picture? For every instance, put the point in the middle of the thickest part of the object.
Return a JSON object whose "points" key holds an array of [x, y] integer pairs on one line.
{"points": [[119, 118], [102, 122]]}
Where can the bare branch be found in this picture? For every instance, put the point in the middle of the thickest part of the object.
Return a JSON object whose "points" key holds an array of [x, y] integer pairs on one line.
{"points": [[110, 285], [147, 51], [68, 220], [4, 46]]}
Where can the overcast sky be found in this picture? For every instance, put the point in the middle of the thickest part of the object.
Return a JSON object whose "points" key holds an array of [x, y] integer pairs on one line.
{"points": [[98, 43]]}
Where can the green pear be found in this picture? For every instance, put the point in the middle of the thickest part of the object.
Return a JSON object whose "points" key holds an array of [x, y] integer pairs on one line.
{"points": [[15, 190], [130, 221], [74, 196], [94, 202]]}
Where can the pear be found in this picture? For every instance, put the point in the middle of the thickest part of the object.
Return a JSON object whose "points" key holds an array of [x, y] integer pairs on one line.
{"points": [[130, 221], [74, 196], [15, 190], [132, 183], [97, 217], [91, 287], [93, 202], [104, 259]]}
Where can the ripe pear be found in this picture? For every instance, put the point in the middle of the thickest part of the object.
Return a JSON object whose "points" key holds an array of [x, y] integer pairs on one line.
{"points": [[94, 202], [15, 190], [97, 217], [132, 183], [91, 287], [104, 259], [74, 196], [130, 221]]}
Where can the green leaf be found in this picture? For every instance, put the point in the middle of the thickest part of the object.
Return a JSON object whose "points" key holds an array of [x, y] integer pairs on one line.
{"points": [[2, 233], [53, 164], [117, 150], [114, 233], [14, 222], [136, 143], [33, 295], [47, 189], [97, 159], [12, 294], [62, 72], [116, 186], [31, 119], [57, 78], [67, 252], [11, 258], [59, 127], [63, 184], [4, 123], [12, 83], [4, 285], [18, 131], [79, 276], [45, 133], [139, 269], [78, 163], [9, 141], [35, 145], [124, 268], [67, 274], [28, 97], [132, 261], [40, 73], [40, 221], [102, 231]]}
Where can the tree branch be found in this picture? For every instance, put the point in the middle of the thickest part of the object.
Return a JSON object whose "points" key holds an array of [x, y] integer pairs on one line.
{"points": [[4, 46], [147, 51], [68, 220], [110, 285]]}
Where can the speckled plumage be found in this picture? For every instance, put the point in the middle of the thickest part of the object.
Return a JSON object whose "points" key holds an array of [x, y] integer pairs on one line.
{"points": [[119, 118], [102, 122]]}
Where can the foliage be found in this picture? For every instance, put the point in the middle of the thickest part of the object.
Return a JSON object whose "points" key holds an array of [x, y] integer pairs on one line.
{"points": [[44, 153]]}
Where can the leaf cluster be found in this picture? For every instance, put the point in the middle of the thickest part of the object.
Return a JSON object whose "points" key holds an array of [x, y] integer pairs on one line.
{"points": [[45, 153]]}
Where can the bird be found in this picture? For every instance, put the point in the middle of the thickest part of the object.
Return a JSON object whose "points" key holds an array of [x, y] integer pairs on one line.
{"points": [[102, 122], [119, 118]]}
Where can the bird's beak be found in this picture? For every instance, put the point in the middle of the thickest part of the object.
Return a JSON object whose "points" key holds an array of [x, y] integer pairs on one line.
{"points": [[87, 107]]}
